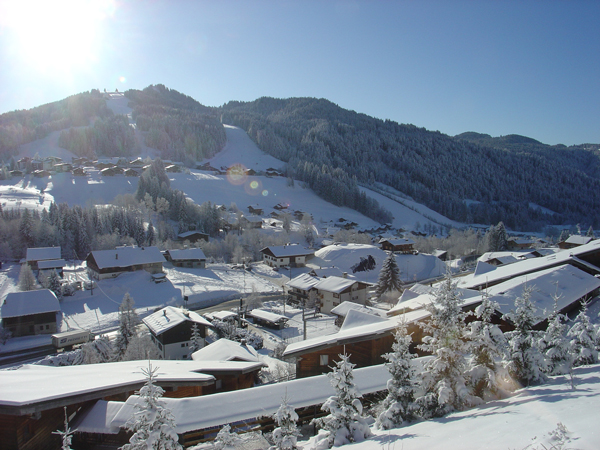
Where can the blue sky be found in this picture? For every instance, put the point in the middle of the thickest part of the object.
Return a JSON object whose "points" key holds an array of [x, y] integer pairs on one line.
{"points": [[496, 67]]}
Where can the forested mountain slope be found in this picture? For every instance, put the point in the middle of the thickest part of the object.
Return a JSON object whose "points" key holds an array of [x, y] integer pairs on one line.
{"points": [[464, 180]]}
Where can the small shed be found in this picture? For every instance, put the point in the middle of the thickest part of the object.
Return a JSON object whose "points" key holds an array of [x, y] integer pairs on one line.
{"points": [[192, 236], [191, 257], [268, 319]]}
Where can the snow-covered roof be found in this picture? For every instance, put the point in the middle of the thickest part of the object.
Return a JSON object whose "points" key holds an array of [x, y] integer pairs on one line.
{"points": [[507, 256], [284, 251], [252, 219], [97, 419], [190, 233], [169, 317], [42, 253], [469, 296], [353, 334], [501, 273], [568, 282], [51, 264], [268, 316], [356, 318], [34, 384], [226, 350], [186, 254], [235, 406], [223, 315], [18, 304], [127, 256], [578, 240], [303, 282], [343, 308], [334, 284]]}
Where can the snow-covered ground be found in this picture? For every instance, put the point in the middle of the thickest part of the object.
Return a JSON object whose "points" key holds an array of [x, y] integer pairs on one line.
{"points": [[532, 419]]}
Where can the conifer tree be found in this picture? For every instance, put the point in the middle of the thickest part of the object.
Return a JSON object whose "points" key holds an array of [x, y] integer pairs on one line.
{"points": [[26, 278], [66, 436], [226, 439], [197, 341], [584, 339], [398, 406], [345, 423], [486, 375], [286, 434], [526, 364], [443, 383], [389, 276], [152, 424], [556, 345], [128, 321]]}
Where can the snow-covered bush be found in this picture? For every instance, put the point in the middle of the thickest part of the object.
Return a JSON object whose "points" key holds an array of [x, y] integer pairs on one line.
{"points": [[583, 339], [152, 424], [344, 423], [398, 406], [226, 439], [229, 330], [141, 347], [99, 350], [526, 363], [556, 346]]}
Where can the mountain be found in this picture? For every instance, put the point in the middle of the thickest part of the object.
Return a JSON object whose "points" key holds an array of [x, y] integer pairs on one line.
{"points": [[470, 178]]}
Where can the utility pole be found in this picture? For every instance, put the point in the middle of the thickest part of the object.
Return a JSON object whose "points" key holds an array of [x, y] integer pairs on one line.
{"points": [[303, 316]]}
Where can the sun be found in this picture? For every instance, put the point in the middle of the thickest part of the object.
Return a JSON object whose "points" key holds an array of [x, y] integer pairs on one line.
{"points": [[60, 37]]}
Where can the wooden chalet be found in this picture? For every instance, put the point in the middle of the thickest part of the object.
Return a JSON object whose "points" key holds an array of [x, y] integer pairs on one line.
{"points": [[364, 337], [268, 319], [79, 172], [30, 313], [192, 236], [130, 172], [173, 168], [250, 222], [41, 173], [255, 211], [332, 291], [401, 245], [32, 402], [293, 255], [103, 264], [171, 331], [35, 255], [574, 240], [191, 257]]}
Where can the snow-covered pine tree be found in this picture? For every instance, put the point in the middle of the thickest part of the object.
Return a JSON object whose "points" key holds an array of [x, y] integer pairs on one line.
{"points": [[584, 339], [53, 283], [442, 382], [502, 237], [97, 351], [152, 424], [389, 276], [226, 439], [398, 406], [486, 375], [590, 232], [526, 363], [286, 434], [196, 343], [26, 278], [66, 436], [128, 321], [141, 347], [344, 423], [556, 345]]}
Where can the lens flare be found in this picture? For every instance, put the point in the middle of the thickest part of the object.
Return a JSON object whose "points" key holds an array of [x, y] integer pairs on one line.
{"points": [[265, 193], [122, 79], [254, 185], [236, 174], [253, 188]]}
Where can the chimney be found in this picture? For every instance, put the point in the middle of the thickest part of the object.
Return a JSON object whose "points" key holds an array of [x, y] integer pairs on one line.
{"points": [[243, 342], [345, 275]]}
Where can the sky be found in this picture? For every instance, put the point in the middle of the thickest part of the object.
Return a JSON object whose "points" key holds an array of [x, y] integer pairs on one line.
{"points": [[497, 67]]}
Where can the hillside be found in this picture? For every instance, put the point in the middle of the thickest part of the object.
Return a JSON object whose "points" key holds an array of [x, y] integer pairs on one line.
{"points": [[464, 180]]}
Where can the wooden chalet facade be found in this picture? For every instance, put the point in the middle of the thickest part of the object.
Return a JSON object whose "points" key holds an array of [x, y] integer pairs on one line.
{"points": [[104, 264], [171, 331], [250, 222], [193, 236], [574, 241], [284, 255], [30, 313], [193, 258], [36, 255], [400, 245]]}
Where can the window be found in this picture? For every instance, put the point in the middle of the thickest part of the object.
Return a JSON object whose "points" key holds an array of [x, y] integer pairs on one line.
{"points": [[323, 360], [219, 384], [183, 345]]}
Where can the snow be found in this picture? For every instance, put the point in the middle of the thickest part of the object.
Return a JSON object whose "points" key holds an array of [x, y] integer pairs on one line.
{"points": [[334, 284], [343, 308], [284, 251], [469, 297], [356, 318], [97, 419], [226, 350], [52, 264], [268, 316], [42, 253], [523, 421], [303, 282], [169, 317], [17, 304]]}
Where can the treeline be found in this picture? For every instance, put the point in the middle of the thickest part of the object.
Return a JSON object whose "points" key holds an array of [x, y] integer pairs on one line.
{"points": [[177, 125], [110, 136], [463, 180], [22, 127]]}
